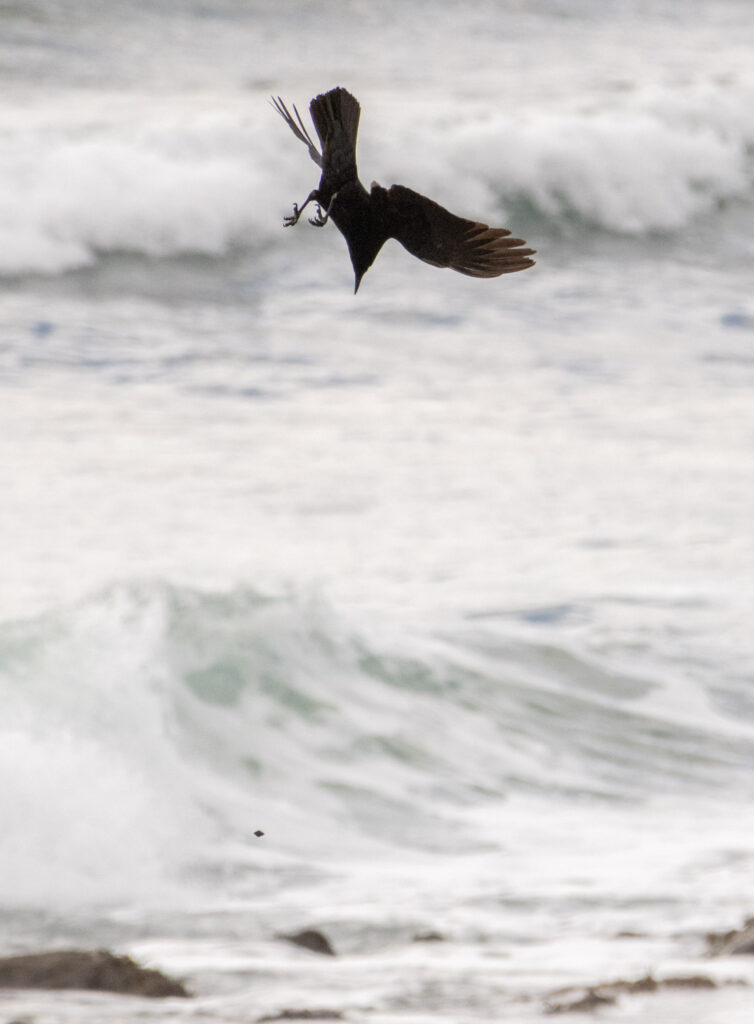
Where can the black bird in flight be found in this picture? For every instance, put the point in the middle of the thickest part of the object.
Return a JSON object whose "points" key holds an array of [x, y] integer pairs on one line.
{"points": [[367, 219]]}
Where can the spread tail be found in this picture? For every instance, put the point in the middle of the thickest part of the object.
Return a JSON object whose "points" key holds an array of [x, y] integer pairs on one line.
{"points": [[336, 118], [335, 112]]}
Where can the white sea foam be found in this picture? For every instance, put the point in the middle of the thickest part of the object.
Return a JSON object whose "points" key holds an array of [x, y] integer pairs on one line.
{"points": [[174, 719], [503, 690], [165, 178], [650, 159], [79, 183]]}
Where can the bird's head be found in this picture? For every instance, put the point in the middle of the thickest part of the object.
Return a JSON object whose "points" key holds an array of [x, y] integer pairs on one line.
{"points": [[363, 253], [358, 276], [361, 223]]}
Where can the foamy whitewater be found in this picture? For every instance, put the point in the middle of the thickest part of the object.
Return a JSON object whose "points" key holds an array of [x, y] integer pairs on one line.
{"points": [[448, 587]]}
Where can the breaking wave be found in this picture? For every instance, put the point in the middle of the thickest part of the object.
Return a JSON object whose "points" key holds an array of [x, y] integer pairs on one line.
{"points": [[149, 723], [209, 174]]}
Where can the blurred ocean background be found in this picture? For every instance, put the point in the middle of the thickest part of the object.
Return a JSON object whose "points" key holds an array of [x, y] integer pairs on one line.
{"points": [[447, 587]]}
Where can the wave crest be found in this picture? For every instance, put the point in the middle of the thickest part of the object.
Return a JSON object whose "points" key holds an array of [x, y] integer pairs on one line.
{"points": [[646, 160], [188, 176], [149, 723]]}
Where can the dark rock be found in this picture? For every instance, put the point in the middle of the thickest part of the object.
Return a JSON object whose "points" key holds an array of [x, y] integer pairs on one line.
{"points": [[95, 970], [592, 1000], [595, 996], [737, 942], [302, 1015], [640, 985], [691, 981], [312, 940]]}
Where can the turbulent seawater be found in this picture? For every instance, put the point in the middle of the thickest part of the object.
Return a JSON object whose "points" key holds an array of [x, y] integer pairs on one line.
{"points": [[447, 587]]}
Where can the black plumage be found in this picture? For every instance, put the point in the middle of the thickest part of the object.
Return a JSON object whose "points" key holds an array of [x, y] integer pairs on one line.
{"points": [[367, 219]]}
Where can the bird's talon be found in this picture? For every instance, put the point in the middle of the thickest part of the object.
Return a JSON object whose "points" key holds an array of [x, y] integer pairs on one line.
{"points": [[320, 220], [289, 221]]}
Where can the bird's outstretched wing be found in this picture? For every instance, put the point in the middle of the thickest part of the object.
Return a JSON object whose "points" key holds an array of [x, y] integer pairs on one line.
{"points": [[298, 129], [437, 236]]}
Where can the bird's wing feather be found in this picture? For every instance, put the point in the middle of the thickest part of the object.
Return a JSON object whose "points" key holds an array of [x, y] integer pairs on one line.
{"points": [[298, 129], [437, 236]]}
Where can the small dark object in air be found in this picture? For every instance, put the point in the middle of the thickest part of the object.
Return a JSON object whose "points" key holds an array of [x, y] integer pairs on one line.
{"points": [[367, 219], [259, 833]]}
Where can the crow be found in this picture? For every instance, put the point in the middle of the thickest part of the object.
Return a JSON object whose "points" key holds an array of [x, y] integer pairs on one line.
{"points": [[367, 219]]}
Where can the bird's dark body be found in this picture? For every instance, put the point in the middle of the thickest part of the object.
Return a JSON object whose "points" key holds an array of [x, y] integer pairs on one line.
{"points": [[367, 219], [362, 223]]}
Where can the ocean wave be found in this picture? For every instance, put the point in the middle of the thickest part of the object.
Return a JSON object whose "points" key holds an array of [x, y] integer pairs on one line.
{"points": [[652, 160], [632, 162], [185, 174], [125, 177], [148, 722]]}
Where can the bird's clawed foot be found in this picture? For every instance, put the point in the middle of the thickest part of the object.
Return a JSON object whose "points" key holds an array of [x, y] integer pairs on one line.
{"points": [[321, 219], [288, 222]]}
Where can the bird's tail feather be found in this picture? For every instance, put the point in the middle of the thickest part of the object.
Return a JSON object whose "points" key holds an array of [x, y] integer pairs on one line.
{"points": [[298, 129], [333, 112]]}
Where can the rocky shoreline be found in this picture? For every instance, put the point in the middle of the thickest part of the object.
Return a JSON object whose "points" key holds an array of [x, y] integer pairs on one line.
{"points": [[104, 971], [736, 942], [581, 998], [91, 970], [594, 997]]}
